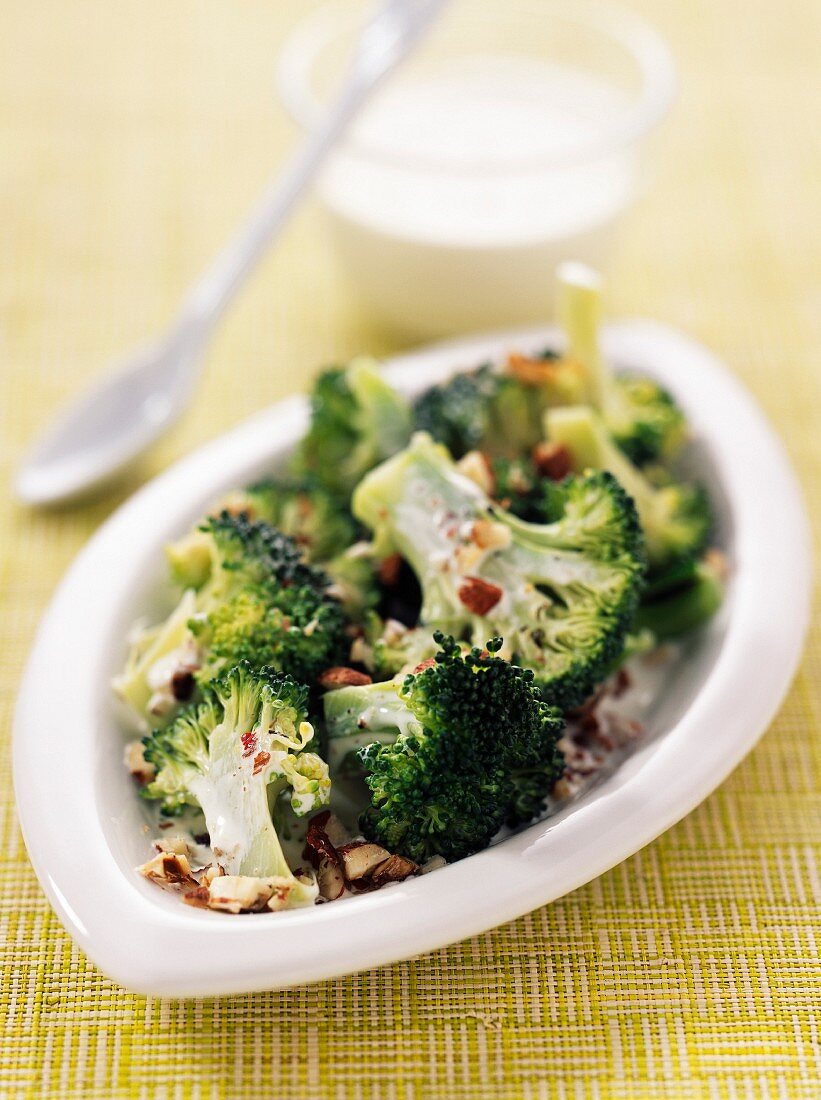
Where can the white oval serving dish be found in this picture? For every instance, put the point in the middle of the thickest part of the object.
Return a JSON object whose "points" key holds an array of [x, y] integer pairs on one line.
{"points": [[84, 826]]}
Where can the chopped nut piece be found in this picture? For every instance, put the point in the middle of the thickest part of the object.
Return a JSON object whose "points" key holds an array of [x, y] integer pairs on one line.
{"points": [[183, 684], [389, 570], [479, 596], [563, 788], [198, 897], [552, 460], [476, 466], [394, 869], [169, 869], [137, 764], [531, 372], [176, 845], [279, 895], [209, 873], [490, 535], [342, 677], [318, 845], [427, 663], [243, 893], [466, 558], [433, 864], [330, 879], [361, 858]]}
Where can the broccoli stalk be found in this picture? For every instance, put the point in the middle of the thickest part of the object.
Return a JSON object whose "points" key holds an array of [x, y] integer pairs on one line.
{"points": [[563, 594], [234, 755], [150, 648], [675, 517], [443, 750], [357, 420], [642, 418]]}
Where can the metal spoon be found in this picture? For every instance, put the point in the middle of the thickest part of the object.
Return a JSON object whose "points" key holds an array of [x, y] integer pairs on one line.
{"points": [[114, 422]]}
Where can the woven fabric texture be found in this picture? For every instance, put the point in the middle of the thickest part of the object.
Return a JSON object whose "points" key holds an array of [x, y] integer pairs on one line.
{"points": [[132, 138]]}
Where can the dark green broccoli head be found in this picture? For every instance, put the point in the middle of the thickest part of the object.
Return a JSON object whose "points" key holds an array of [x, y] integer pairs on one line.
{"points": [[675, 516], [357, 420], [645, 420], [458, 412], [260, 602], [531, 786], [563, 594], [465, 724], [249, 551], [318, 521], [293, 628], [481, 410], [178, 750]]}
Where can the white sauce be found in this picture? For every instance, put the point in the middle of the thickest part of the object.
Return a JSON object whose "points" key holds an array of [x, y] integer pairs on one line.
{"points": [[476, 243]]}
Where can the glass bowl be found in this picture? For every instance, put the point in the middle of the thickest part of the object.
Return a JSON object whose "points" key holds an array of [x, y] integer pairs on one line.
{"points": [[516, 137]]}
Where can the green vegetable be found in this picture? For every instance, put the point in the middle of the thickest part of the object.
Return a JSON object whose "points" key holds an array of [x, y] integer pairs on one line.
{"points": [[252, 598], [235, 755], [675, 517], [263, 604], [458, 412], [641, 416], [563, 594], [317, 520], [683, 600], [481, 410], [357, 420], [446, 750], [353, 575]]}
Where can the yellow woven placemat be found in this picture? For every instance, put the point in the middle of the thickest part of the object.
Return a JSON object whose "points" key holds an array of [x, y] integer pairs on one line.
{"points": [[133, 136]]}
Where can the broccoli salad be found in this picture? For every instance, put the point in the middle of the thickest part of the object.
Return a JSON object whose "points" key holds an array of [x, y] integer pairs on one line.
{"points": [[422, 632]]}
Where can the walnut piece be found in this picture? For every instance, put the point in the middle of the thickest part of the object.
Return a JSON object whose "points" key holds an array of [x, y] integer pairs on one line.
{"points": [[552, 460], [135, 761], [479, 596], [169, 869], [340, 676], [476, 466]]}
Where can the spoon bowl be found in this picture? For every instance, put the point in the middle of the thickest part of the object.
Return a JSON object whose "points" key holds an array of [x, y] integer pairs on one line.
{"points": [[116, 421]]}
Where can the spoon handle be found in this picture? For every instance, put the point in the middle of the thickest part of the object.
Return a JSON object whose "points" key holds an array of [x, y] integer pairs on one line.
{"points": [[385, 41]]}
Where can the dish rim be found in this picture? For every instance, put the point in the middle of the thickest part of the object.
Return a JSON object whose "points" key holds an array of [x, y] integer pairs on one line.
{"points": [[157, 949]]}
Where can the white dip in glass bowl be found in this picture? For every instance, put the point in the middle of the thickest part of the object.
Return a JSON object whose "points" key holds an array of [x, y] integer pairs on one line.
{"points": [[514, 139]]}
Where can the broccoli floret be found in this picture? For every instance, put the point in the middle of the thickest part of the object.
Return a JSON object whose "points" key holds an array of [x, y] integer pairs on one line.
{"points": [[531, 786], [642, 417], [357, 420], [563, 594], [651, 425], [458, 412], [318, 521], [441, 750], [389, 647], [255, 600], [683, 598], [481, 409], [263, 604], [675, 517], [149, 647], [235, 755]]}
